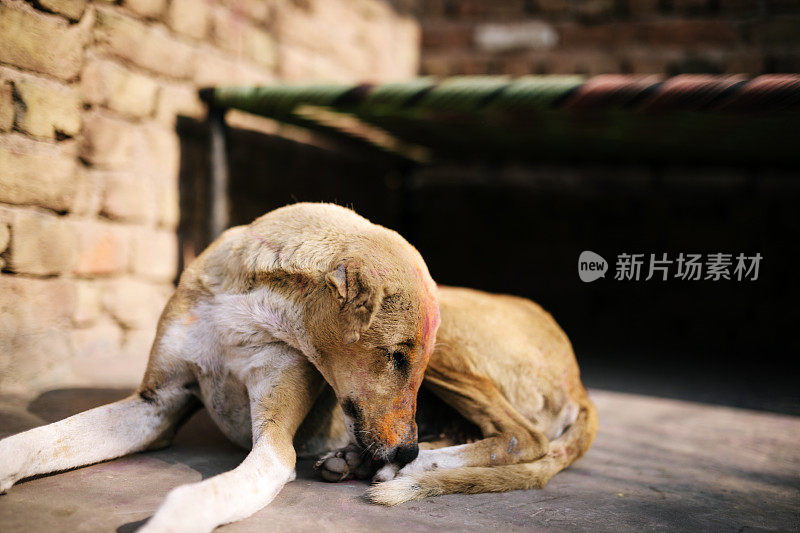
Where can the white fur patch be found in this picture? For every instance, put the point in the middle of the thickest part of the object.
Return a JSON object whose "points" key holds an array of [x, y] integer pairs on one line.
{"points": [[398, 490], [449, 457]]}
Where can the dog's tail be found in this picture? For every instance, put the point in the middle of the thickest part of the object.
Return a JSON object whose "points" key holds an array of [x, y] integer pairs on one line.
{"points": [[564, 450]]}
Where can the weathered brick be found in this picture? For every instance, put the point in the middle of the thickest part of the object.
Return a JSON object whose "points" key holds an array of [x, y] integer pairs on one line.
{"points": [[236, 34], [103, 248], [155, 254], [109, 84], [178, 100], [190, 17], [614, 34], [690, 31], [34, 361], [156, 153], [103, 357], [257, 10], [41, 244], [104, 338], [6, 106], [649, 61], [42, 43], [128, 196], [149, 46], [5, 237], [136, 345], [46, 109], [436, 65], [424, 8], [311, 29], [107, 141], [87, 303], [72, 9], [168, 205], [215, 68], [376, 47], [29, 304], [583, 62], [106, 355], [37, 173], [146, 8], [298, 63], [446, 34], [34, 341], [478, 9], [88, 192], [134, 303]]}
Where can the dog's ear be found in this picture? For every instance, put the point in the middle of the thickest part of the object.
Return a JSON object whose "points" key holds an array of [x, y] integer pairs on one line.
{"points": [[358, 295]]}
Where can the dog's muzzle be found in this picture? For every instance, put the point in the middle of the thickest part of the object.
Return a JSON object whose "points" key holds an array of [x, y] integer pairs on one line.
{"points": [[402, 455]]}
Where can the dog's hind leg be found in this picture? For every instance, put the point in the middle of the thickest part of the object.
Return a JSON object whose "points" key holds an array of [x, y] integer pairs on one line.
{"points": [[509, 437], [281, 395], [564, 450], [107, 432]]}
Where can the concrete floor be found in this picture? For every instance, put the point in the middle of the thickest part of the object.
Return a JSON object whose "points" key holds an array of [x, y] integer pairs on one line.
{"points": [[657, 464]]}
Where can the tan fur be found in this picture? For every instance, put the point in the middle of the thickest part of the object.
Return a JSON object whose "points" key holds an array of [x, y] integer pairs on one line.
{"points": [[506, 366]]}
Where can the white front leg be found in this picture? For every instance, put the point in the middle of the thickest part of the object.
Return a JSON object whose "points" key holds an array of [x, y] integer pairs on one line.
{"points": [[281, 391], [224, 498]]}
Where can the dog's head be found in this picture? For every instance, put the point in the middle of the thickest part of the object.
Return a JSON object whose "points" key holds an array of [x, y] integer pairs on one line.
{"points": [[373, 326]]}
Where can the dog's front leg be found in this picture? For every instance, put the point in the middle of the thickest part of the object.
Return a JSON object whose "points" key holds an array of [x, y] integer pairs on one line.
{"points": [[107, 432], [280, 397]]}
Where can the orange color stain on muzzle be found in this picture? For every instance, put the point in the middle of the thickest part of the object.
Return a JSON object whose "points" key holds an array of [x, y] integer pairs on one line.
{"points": [[397, 426]]}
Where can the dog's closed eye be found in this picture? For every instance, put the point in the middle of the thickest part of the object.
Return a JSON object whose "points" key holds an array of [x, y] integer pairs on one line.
{"points": [[400, 360]]}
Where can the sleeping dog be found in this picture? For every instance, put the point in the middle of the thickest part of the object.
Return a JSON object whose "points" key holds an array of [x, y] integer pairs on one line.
{"points": [[311, 330]]}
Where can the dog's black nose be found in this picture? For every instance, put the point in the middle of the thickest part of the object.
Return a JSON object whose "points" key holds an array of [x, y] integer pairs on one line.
{"points": [[405, 454]]}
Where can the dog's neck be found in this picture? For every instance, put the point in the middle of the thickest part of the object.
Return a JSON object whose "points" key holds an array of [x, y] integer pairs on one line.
{"points": [[262, 289], [262, 315]]}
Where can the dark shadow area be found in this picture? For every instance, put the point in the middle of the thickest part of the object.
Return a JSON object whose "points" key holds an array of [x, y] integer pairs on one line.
{"points": [[57, 404], [519, 229]]}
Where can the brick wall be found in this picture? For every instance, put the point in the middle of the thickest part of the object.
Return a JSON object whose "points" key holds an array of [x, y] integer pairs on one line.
{"points": [[90, 157], [607, 36]]}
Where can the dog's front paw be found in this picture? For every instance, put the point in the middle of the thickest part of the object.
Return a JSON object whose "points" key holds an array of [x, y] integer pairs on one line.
{"points": [[391, 471], [385, 473], [346, 463]]}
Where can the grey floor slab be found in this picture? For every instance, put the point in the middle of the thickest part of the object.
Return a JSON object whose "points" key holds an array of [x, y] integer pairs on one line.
{"points": [[657, 464]]}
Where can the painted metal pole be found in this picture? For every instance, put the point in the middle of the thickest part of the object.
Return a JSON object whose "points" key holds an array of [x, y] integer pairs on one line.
{"points": [[218, 201]]}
